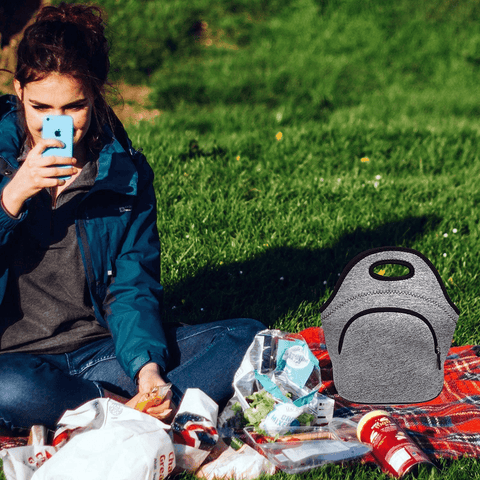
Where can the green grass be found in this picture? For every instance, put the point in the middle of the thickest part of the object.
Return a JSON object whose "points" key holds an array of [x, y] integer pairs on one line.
{"points": [[254, 225], [260, 227]]}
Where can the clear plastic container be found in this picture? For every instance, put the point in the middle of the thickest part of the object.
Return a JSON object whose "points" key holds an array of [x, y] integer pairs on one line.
{"points": [[304, 448]]}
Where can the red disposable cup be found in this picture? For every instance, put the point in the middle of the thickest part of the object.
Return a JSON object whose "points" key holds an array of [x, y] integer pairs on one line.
{"points": [[393, 449]]}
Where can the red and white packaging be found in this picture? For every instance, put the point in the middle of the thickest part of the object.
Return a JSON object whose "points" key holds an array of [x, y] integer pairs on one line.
{"points": [[394, 451], [194, 429], [20, 463]]}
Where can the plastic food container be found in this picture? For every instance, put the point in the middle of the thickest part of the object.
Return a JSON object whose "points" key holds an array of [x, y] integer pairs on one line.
{"points": [[303, 448]]}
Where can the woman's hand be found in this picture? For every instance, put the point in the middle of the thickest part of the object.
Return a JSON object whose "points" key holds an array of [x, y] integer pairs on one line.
{"points": [[35, 174], [148, 378]]}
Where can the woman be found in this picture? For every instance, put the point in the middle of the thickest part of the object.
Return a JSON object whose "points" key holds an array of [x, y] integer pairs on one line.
{"points": [[80, 261]]}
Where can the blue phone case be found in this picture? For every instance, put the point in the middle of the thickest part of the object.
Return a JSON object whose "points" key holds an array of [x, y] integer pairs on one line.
{"points": [[59, 127]]}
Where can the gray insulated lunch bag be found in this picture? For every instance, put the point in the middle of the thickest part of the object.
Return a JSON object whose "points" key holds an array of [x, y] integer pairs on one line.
{"points": [[388, 337]]}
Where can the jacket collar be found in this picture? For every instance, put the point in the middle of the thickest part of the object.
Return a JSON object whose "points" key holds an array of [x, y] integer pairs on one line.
{"points": [[116, 169]]}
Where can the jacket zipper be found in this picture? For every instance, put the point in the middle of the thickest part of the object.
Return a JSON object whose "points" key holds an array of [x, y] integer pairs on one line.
{"points": [[87, 259]]}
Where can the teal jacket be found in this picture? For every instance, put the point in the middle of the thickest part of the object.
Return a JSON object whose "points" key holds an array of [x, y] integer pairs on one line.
{"points": [[117, 233]]}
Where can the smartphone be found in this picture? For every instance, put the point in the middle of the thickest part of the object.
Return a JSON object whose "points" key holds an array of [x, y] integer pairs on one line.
{"points": [[59, 127]]}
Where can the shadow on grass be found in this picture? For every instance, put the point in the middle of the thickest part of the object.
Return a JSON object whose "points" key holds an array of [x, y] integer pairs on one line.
{"points": [[280, 279]]}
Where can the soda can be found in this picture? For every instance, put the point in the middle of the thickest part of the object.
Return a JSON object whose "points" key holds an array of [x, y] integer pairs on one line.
{"points": [[393, 449]]}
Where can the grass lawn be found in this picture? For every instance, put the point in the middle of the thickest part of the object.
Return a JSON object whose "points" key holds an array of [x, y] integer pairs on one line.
{"points": [[293, 139], [257, 217]]}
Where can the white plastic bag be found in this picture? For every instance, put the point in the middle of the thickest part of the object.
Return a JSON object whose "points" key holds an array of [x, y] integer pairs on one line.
{"points": [[113, 442], [20, 463]]}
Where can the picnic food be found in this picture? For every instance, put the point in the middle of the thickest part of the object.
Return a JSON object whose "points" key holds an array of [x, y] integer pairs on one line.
{"points": [[303, 448], [393, 449], [153, 398], [261, 404], [304, 437], [277, 370], [293, 437]]}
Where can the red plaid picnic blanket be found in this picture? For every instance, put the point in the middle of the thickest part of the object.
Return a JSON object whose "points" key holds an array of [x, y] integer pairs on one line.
{"points": [[10, 442], [448, 426]]}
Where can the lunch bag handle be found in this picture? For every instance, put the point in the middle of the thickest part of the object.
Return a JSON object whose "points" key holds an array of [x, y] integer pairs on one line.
{"points": [[359, 275]]}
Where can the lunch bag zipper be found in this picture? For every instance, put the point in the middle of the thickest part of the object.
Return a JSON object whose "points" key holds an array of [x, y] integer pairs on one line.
{"points": [[393, 310]]}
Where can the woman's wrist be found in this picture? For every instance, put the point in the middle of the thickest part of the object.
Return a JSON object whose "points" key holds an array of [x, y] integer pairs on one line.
{"points": [[147, 369], [149, 376], [11, 202]]}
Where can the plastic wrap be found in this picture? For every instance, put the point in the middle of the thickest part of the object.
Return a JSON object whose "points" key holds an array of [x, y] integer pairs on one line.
{"points": [[283, 365]]}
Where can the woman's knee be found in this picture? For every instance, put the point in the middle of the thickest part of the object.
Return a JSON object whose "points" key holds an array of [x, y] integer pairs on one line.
{"points": [[18, 395], [253, 325], [242, 331], [247, 327], [34, 391], [16, 375]]}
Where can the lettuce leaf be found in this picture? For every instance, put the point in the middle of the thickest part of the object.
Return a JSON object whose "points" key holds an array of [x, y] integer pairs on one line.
{"points": [[261, 403]]}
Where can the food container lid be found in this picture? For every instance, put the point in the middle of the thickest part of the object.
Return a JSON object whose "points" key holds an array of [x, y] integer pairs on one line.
{"points": [[304, 448], [367, 417]]}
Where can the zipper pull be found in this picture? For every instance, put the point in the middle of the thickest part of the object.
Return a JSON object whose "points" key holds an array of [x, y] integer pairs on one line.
{"points": [[439, 360]]}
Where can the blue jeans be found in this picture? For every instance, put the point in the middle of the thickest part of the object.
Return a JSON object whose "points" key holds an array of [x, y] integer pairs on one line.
{"points": [[37, 389]]}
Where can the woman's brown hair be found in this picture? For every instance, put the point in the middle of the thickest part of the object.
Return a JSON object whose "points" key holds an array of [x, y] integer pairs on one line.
{"points": [[69, 39]]}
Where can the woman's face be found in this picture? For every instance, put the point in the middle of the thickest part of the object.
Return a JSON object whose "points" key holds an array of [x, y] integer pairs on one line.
{"points": [[56, 94]]}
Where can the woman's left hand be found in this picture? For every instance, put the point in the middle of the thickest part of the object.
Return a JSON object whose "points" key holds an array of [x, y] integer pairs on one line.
{"points": [[148, 378]]}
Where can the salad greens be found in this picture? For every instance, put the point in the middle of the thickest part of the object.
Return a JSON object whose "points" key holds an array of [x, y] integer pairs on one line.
{"points": [[261, 404]]}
